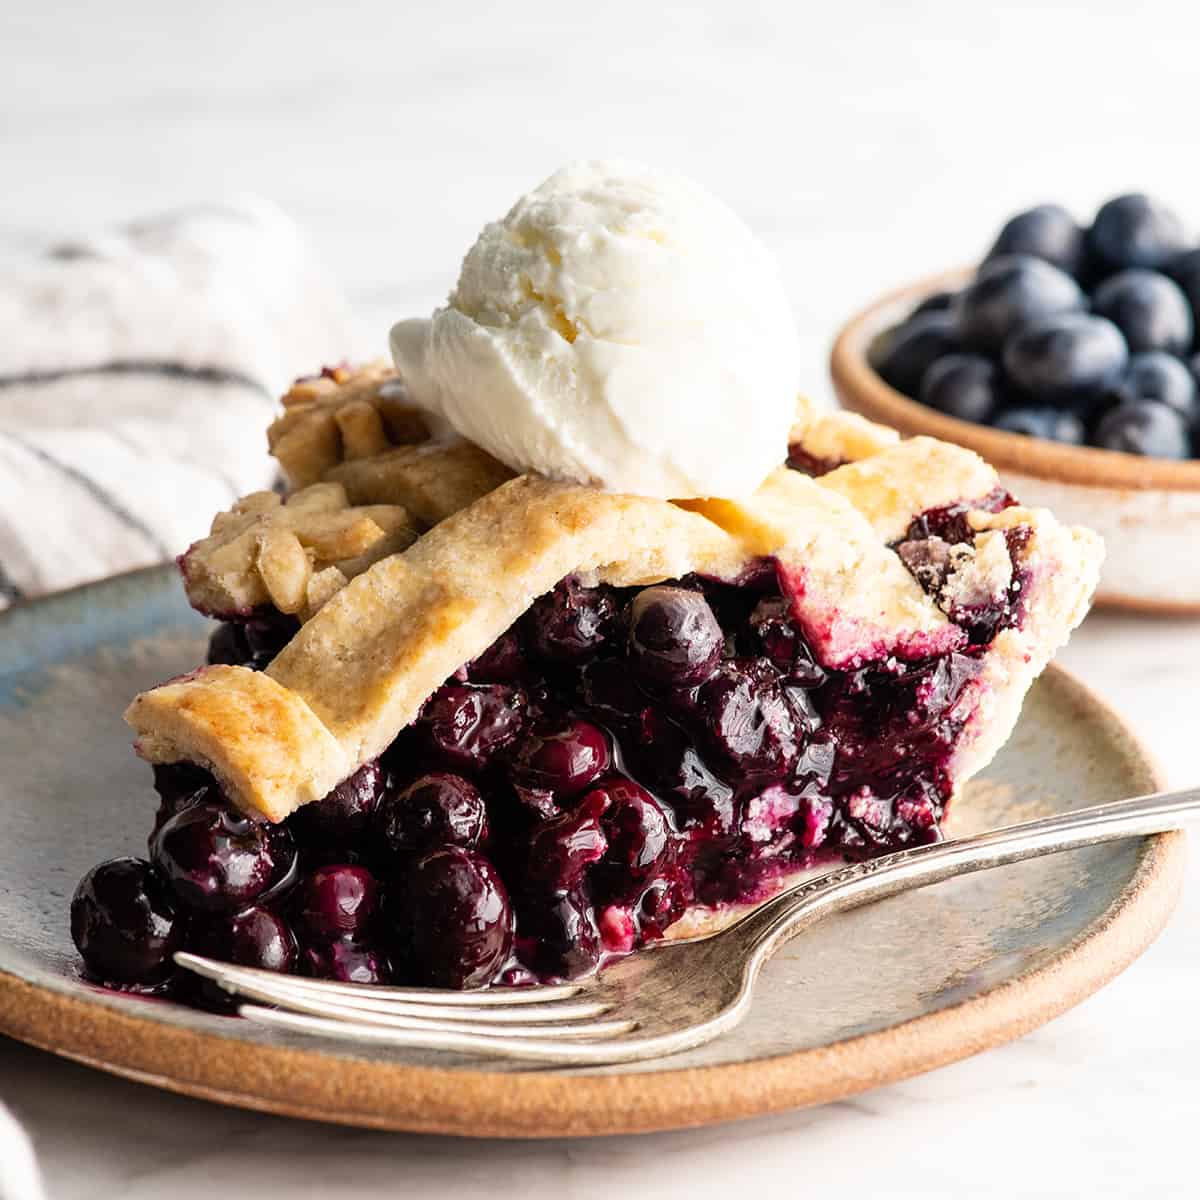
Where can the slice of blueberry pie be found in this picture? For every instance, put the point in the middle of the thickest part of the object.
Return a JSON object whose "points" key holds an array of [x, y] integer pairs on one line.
{"points": [[461, 727]]}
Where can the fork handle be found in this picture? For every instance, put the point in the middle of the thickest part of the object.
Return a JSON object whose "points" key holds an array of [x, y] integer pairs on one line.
{"points": [[782, 917]]}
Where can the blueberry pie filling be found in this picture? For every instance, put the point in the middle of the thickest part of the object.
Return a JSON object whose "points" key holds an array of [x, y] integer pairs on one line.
{"points": [[457, 763]]}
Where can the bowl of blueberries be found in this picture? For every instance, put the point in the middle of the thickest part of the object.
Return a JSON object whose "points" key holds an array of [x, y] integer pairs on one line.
{"points": [[1070, 360]]}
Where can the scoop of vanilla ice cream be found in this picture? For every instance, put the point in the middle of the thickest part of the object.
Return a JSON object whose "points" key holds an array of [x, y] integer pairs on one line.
{"points": [[619, 327]]}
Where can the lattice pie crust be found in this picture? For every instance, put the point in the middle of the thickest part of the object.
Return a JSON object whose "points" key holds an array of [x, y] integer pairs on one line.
{"points": [[391, 615]]}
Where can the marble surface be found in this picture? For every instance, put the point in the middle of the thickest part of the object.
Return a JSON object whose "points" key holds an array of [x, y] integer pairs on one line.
{"points": [[868, 142]]}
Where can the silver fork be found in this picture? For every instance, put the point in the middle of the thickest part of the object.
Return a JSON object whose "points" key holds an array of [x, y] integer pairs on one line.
{"points": [[671, 996]]}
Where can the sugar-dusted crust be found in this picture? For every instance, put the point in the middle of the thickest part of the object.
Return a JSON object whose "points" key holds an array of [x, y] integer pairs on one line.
{"points": [[838, 437], [825, 548], [260, 739], [907, 478], [363, 665], [431, 480], [1058, 567], [377, 650], [342, 414], [886, 480], [293, 554]]}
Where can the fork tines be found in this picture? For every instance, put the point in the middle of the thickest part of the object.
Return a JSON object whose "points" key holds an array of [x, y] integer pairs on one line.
{"points": [[482, 1021]]}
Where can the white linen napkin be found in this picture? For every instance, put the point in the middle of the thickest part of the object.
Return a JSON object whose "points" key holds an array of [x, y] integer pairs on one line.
{"points": [[138, 371], [19, 1176]]}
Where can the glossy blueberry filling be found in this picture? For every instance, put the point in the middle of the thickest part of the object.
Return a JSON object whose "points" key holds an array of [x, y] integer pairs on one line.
{"points": [[927, 550], [616, 757]]}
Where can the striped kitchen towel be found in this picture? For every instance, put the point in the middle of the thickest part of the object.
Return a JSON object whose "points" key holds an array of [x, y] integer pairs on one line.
{"points": [[138, 371]]}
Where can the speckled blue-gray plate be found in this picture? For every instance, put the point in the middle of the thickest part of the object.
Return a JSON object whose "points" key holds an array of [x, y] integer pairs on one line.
{"points": [[869, 997]]}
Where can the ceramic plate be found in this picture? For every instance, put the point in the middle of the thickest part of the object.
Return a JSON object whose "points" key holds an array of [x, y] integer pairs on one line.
{"points": [[868, 997]]}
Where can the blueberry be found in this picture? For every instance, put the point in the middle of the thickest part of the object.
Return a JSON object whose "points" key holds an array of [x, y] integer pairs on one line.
{"points": [[1042, 421], [965, 386], [776, 634], [607, 686], [902, 354], [501, 662], [674, 638], [1065, 356], [261, 938], [1144, 427], [456, 923], [217, 860], [256, 937], [335, 902], [937, 302], [701, 800], [1159, 376], [638, 836], [558, 933], [266, 635], [747, 718], [227, 645], [342, 817], [1185, 270], [467, 724], [437, 809], [180, 785], [512, 811], [124, 923], [1010, 293], [562, 757], [1148, 308], [663, 903], [253, 642], [562, 848], [1135, 231], [570, 624], [1047, 232], [347, 961]]}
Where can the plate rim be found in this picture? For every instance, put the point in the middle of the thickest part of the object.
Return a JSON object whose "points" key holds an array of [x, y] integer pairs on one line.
{"points": [[535, 1103]]}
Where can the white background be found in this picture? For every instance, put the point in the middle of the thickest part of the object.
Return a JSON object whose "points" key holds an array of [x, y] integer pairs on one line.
{"points": [[867, 143]]}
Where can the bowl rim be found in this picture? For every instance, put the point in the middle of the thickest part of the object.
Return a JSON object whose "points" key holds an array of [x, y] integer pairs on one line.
{"points": [[860, 388]]}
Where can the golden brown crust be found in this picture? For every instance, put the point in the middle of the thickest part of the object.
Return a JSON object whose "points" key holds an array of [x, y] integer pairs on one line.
{"points": [[293, 554], [261, 741], [908, 478], [342, 414], [838, 437], [825, 549], [380, 647], [431, 480], [363, 665]]}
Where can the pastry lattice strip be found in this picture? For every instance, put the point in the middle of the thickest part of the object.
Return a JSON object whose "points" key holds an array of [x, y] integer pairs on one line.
{"points": [[293, 554], [343, 414], [358, 672]]}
